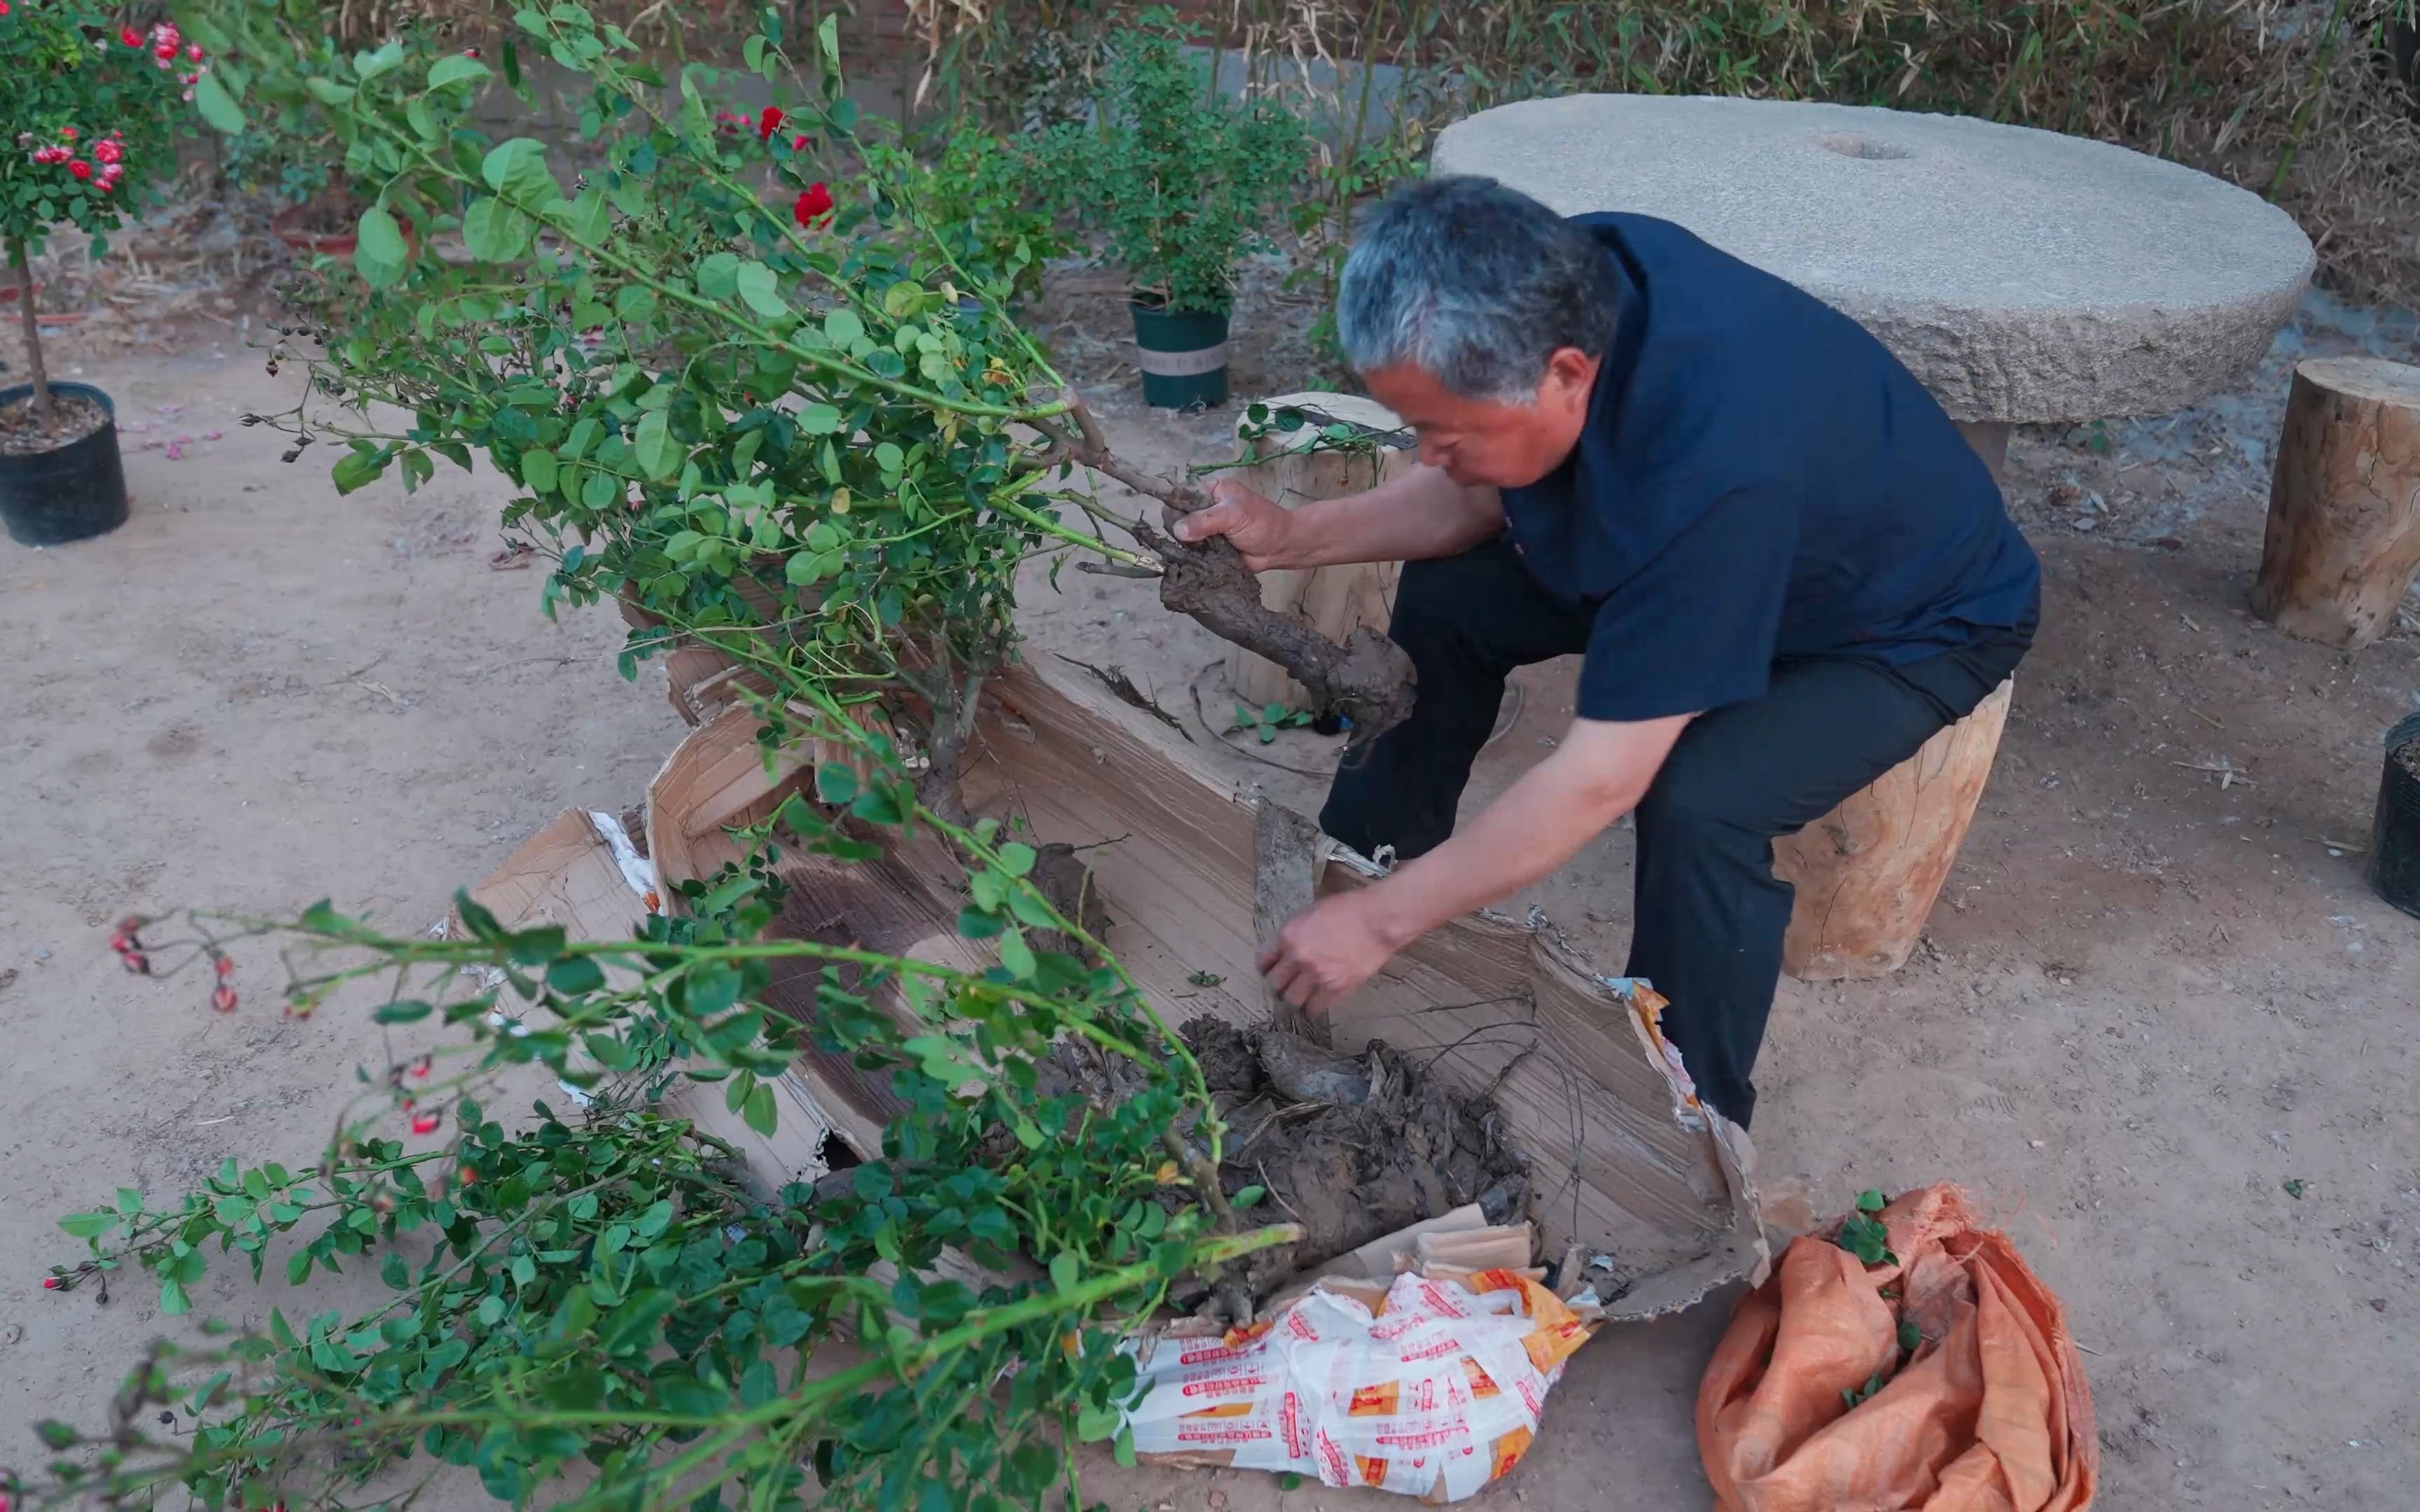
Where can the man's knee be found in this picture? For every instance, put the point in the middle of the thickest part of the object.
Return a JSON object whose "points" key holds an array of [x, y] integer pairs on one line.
{"points": [[1442, 595], [1699, 805]]}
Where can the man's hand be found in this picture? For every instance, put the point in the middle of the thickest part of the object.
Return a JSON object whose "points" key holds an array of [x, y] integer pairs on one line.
{"points": [[1326, 953], [1258, 528]]}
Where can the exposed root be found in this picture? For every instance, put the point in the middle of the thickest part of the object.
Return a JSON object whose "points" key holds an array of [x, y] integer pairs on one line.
{"points": [[1369, 678]]}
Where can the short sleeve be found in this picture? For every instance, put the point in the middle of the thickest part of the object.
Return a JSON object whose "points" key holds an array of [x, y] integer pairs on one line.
{"points": [[1694, 629]]}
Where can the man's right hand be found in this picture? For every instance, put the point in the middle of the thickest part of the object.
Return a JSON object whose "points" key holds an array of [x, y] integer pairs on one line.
{"points": [[1258, 528]]}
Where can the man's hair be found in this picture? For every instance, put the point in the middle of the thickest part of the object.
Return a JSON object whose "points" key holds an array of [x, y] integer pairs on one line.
{"points": [[1476, 285]]}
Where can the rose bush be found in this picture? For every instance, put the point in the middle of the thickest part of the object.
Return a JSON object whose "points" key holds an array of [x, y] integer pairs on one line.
{"points": [[797, 427], [84, 126]]}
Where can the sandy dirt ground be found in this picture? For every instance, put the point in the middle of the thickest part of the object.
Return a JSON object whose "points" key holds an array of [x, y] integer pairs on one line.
{"points": [[2154, 995]]}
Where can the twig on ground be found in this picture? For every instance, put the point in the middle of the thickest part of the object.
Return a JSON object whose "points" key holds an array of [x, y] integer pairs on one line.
{"points": [[1117, 681]]}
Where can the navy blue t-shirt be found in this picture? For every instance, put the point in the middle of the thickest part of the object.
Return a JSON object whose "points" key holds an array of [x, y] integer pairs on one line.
{"points": [[1759, 478]]}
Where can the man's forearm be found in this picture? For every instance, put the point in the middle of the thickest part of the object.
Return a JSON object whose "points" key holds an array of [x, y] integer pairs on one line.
{"points": [[1421, 515], [1538, 823]]}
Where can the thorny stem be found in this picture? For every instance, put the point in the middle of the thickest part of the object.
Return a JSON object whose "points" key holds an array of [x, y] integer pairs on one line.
{"points": [[32, 325]]}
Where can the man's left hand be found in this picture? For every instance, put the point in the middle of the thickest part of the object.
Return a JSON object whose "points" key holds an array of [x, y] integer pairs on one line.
{"points": [[1326, 953]]}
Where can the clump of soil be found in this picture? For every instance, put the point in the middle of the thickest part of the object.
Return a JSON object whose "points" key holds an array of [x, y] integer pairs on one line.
{"points": [[72, 417], [1350, 1147]]}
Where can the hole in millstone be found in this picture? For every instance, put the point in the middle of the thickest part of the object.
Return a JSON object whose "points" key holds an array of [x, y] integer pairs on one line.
{"points": [[1858, 146]]}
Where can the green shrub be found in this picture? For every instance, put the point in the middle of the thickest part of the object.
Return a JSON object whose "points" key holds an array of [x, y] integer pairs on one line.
{"points": [[1178, 176]]}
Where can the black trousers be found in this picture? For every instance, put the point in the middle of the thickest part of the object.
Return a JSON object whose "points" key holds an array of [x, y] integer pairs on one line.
{"points": [[1708, 914]]}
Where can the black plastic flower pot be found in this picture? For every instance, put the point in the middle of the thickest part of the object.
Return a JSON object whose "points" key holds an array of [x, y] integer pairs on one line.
{"points": [[67, 493], [1183, 357], [2395, 836]]}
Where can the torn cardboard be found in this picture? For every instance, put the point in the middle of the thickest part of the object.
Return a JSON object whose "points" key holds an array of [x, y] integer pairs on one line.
{"points": [[1625, 1162]]}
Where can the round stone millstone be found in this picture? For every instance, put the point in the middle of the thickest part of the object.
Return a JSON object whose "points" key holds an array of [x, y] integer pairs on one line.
{"points": [[2021, 275]]}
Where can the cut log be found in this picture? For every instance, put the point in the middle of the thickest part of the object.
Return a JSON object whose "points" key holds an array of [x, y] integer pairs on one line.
{"points": [[1866, 872], [2344, 502], [1342, 599]]}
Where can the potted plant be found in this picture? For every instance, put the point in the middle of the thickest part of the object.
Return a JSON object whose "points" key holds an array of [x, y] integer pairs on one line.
{"points": [[1179, 176], [85, 122]]}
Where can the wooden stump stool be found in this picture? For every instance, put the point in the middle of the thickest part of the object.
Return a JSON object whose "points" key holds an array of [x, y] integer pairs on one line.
{"points": [[1341, 599], [2344, 502], [1866, 872]]}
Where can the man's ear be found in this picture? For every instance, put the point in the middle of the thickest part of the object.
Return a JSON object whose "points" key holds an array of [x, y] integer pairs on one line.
{"points": [[1571, 373]]}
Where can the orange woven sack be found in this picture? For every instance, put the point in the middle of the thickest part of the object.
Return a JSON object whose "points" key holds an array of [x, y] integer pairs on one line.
{"points": [[1988, 1413]]}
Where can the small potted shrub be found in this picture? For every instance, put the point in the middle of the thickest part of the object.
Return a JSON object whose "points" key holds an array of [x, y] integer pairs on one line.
{"points": [[1180, 178], [86, 121]]}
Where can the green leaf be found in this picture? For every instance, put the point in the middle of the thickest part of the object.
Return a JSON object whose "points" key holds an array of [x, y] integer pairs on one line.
{"points": [[328, 91], [584, 217], [712, 987], [658, 454], [844, 329], [173, 1300], [217, 106], [1246, 1197], [975, 924], [1017, 955], [759, 1113], [575, 974], [455, 68], [54, 1434], [1872, 1200], [378, 250], [818, 419], [1865, 1239], [1016, 860], [495, 231], [535, 947], [634, 302], [517, 170], [538, 469], [385, 60], [405, 1011], [762, 290], [129, 1200], [835, 783], [718, 276], [88, 1225], [1909, 1335], [1065, 1270]]}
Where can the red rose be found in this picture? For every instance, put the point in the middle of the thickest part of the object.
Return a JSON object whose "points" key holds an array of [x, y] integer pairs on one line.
{"points": [[107, 151], [764, 123], [130, 37], [67, 134], [80, 168], [812, 206]]}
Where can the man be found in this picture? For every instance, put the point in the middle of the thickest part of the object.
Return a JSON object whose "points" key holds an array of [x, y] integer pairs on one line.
{"points": [[1784, 566]]}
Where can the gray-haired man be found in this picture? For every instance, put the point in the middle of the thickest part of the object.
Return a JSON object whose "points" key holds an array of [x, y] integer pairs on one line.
{"points": [[1785, 567]]}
